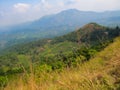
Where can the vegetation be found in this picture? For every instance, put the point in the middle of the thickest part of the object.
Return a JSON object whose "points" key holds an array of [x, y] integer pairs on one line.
{"points": [[43, 63], [99, 73]]}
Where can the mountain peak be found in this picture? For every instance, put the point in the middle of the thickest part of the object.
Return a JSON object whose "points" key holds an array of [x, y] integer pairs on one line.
{"points": [[92, 26], [70, 11]]}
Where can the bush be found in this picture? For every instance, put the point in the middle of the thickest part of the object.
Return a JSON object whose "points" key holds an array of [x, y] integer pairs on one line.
{"points": [[44, 68], [3, 81]]}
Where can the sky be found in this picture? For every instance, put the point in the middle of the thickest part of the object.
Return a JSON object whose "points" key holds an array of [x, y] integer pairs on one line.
{"points": [[18, 11]]}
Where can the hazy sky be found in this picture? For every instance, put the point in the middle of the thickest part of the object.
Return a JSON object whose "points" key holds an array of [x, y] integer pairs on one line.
{"points": [[17, 11]]}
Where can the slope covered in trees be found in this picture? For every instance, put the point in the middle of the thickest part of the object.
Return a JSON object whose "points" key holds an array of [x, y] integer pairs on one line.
{"points": [[49, 55], [101, 72]]}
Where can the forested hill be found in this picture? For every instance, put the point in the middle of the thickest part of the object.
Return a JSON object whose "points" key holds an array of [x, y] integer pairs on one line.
{"points": [[86, 32], [89, 34], [48, 55], [58, 53]]}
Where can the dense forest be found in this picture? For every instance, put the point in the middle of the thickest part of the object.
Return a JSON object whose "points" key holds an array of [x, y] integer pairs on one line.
{"points": [[63, 52]]}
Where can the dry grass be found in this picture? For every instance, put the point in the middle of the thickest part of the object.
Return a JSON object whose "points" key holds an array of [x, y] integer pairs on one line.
{"points": [[93, 75]]}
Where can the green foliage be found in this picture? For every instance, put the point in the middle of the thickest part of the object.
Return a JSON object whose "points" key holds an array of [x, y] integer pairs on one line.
{"points": [[3, 81], [55, 54], [64, 51], [43, 68]]}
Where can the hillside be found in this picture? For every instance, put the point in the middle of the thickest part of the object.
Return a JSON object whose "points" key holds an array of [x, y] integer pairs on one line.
{"points": [[55, 55], [100, 73], [55, 25], [89, 34]]}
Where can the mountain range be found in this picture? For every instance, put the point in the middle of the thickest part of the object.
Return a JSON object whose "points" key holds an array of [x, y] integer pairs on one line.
{"points": [[55, 25]]}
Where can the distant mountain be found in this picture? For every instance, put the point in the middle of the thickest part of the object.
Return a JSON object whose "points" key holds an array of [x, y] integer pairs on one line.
{"points": [[55, 25], [76, 18]]}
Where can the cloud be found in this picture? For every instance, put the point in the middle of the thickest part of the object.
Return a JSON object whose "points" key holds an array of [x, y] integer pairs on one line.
{"points": [[1, 14], [43, 1], [22, 12], [70, 2], [95, 5], [21, 7]]}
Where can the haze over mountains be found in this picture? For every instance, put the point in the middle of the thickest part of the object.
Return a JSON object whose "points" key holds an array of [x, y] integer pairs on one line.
{"points": [[60, 44], [55, 25], [90, 52]]}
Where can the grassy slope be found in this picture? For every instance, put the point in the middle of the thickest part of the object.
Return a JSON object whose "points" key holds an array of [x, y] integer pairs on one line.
{"points": [[100, 73]]}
